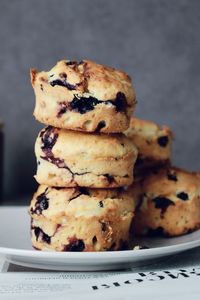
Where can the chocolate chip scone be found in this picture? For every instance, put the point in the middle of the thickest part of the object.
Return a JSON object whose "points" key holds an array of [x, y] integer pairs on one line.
{"points": [[153, 142], [83, 96], [80, 219], [67, 158], [168, 202]]}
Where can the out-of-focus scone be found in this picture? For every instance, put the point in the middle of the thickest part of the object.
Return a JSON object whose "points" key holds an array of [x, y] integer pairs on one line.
{"points": [[168, 202], [83, 96], [153, 142], [68, 158], [80, 219]]}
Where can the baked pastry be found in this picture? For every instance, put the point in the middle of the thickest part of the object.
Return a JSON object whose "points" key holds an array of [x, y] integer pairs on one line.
{"points": [[83, 96], [153, 142], [80, 219], [168, 202], [68, 158]]}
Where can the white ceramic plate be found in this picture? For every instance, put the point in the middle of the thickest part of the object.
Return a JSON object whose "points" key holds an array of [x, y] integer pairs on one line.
{"points": [[15, 246]]}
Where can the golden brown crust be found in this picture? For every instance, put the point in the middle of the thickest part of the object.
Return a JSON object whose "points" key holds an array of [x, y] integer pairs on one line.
{"points": [[153, 142], [74, 219], [83, 96], [68, 158], [168, 202]]}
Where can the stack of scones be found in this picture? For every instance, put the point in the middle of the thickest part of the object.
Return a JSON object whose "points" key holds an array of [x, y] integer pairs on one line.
{"points": [[84, 160]]}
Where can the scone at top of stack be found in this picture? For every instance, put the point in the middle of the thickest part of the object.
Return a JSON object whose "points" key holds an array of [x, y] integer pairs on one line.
{"points": [[98, 101], [83, 96]]}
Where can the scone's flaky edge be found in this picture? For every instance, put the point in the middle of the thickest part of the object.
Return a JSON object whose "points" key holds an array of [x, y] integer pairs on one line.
{"points": [[167, 202], [69, 159], [85, 97], [80, 219]]}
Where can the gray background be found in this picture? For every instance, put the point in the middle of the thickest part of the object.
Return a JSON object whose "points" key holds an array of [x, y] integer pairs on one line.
{"points": [[156, 42]]}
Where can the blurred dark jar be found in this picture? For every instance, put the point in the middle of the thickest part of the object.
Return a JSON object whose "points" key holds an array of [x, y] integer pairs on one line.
{"points": [[1, 159]]}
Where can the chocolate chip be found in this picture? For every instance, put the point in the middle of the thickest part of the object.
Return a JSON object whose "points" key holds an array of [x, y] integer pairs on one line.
{"points": [[84, 191], [63, 75], [75, 245], [37, 232], [40, 233], [100, 125], [183, 196], [162, 203], [42, 203], [163, 141], [41, 87], [94, 240], [46, 238], [103, 226], [155, 232], [48, 138], [83, 104], [70, 63], [172, 176], [109, 177], [100, 203], [63, 83], [120, 102]]}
